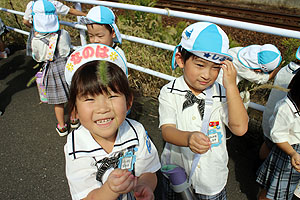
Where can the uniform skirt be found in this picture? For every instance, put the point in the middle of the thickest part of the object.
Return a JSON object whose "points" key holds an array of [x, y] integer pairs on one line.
{"points": [[57, 90], [277, 175]]}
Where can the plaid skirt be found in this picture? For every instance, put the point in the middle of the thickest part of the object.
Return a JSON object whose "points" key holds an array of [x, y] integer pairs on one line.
{"points": [[28, 43], [57, 90], [277, 175], [169, 194]]}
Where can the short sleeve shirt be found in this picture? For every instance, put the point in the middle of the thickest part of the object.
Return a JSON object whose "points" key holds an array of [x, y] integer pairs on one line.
{"points": [[282, 79], [285, 122], [82, 152], [211, 174], [121, 52], [61, 9]]}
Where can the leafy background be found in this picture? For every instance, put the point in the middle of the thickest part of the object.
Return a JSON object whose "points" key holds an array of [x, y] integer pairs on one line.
{"points": [[157, 28]]}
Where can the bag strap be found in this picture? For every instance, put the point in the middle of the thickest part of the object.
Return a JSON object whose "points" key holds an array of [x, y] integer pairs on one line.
{"points": [[204, 127], [52, 45]]}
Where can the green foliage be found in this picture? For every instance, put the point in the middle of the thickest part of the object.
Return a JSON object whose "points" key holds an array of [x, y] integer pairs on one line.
{"points": [[233, 43], [291, 46], [140, 24]]}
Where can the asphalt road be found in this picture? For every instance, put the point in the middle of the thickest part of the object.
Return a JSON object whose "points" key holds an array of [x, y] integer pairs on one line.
{"points": [[31, 152]]}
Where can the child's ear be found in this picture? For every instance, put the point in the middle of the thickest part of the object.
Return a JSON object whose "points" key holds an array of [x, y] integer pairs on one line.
{"points": [[130, 101], [179, 60], [113, 33]]}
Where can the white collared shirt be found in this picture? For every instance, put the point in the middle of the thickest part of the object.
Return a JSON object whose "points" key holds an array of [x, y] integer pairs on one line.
{"points": [[282, 79], [121, 52], [211, 174], [285, 122], [82, 152]]}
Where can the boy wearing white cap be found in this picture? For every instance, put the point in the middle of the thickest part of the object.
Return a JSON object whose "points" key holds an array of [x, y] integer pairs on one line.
{"points": [[255, 63], [101, 27], [51, 46], [194, 109]]}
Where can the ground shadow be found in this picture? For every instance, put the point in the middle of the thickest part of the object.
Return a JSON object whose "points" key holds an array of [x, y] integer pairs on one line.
{"points": [[244, 152], [20, 64]]}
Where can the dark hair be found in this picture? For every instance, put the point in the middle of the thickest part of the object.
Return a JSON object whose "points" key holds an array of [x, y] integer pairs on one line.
{"points": [[184, 53], [107, 26], [88, 80], [294, 92]]}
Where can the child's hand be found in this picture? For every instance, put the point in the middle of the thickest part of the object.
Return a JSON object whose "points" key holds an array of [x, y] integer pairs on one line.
{"points": [[229, 73], [121, 181], [143, 192], [199, 142], [295, 160]]}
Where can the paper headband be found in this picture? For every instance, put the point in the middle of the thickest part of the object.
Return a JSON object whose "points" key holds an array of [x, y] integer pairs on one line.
{"points": [[92, 52]]}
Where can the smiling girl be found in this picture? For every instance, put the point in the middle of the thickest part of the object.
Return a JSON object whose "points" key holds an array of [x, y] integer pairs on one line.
{"points": [[108, 156]]}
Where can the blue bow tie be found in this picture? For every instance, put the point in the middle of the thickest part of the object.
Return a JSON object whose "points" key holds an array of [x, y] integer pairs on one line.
{"points": [[191, 99]]}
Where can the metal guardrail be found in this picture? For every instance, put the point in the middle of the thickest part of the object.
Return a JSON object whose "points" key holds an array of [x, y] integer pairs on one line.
{"points": [[233, 23]]}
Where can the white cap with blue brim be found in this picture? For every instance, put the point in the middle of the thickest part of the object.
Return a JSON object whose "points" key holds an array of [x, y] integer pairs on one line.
{"points": [[298, 53], [45, 19], [205, 40], [264, 57], [103, 15]]}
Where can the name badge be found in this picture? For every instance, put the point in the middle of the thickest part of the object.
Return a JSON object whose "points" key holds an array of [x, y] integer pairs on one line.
{"points": [[215, 137], [127, 161]]}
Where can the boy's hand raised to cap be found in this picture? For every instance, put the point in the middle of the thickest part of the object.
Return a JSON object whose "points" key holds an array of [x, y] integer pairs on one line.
{"points": [[229, 74], [199, 142]]}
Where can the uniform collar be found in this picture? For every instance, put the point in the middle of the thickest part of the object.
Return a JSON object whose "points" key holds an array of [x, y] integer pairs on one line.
{"points": [[293, 67], [293, 106], [179, 86], [84, 145]]}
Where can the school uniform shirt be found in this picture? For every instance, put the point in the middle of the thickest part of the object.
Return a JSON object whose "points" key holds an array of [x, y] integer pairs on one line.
{"points": [[121, 52], [61, 9], [211, 173], [285, 122], [242, 71], [40, 48], [282, 79], [82, 152]]}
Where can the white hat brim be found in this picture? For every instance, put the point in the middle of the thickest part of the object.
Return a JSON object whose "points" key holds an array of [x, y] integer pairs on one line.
{"points": [[92, 52], [43, 23]]}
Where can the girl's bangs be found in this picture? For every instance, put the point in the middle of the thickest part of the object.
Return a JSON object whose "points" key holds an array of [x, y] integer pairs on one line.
{"points": [[90, 84]]}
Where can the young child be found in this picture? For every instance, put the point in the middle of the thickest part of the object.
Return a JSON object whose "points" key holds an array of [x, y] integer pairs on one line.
{"points": [[194, 109], [282, 79], [101, 27], [61, 9], [255, 63], [108, 156], [52, 46], [279, 174]]}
